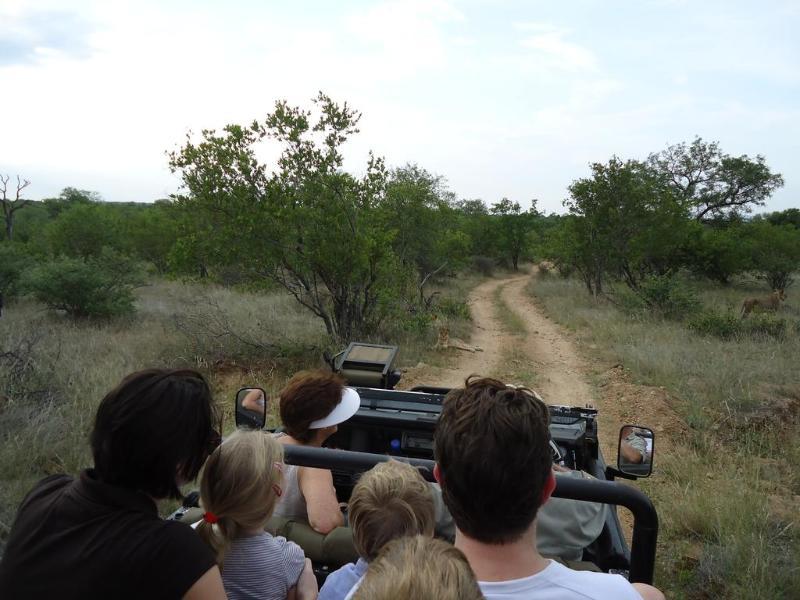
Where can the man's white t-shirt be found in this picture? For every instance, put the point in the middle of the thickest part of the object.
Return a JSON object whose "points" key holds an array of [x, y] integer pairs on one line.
{"points": [[557, 582]]}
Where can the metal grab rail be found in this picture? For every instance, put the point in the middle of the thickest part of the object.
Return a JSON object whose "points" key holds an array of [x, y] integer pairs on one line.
{"points": [[645, 519]]}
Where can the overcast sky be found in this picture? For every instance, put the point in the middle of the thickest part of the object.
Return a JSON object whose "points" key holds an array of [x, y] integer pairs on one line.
{"points": [[502, 98]]}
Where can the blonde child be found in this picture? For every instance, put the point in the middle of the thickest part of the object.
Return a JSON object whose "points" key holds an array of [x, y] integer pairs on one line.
{"points": [[391, 500], [240, 486], [419, 567]]}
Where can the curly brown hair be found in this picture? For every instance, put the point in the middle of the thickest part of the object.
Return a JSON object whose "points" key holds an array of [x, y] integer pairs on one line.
{"points": [[307, 397], [492, 447]]}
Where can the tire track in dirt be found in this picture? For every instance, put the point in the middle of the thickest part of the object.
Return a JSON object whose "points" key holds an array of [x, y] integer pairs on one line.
{"points": [[488, 336], [561, 372]]}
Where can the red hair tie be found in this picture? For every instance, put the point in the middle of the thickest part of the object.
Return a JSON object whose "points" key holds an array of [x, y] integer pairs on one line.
{"points": [[210, 517]]}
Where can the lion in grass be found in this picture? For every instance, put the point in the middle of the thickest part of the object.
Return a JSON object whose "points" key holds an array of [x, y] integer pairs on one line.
{"points": [[771, 302]]}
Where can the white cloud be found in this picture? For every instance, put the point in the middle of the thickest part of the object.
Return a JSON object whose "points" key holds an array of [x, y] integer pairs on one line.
{"points": [[552, 51]]}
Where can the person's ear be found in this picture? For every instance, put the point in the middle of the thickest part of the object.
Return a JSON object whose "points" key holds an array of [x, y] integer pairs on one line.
{"points": [[549, 486], [437, 474]]}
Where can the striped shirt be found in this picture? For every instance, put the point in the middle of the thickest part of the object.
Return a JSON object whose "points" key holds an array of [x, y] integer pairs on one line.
{"points": [[261, 566]]}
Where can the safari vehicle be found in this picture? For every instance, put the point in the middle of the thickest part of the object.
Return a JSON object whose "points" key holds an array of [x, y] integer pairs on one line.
{"points": [[399, 424]]}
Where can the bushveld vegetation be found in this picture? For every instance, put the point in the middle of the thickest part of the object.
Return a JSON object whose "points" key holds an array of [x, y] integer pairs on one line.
{"points": [[727, 493], [254, 268]]}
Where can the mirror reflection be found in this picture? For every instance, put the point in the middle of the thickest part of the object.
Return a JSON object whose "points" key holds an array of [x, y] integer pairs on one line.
{"points": [[251, 408], [635, 455]]}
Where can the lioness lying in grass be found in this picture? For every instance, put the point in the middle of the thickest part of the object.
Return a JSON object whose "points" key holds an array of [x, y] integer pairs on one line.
{"points": [[771, 302]]}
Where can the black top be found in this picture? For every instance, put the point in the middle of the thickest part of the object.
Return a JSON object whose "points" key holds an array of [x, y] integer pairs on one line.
{"points": [[81, 538]]}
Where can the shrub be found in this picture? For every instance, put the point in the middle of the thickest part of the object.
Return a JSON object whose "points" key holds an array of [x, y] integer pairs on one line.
{"points": [[450, 307], [483, 265], [766, 325], [13, 263], [97, 287], [668, 296], [722, 325]]}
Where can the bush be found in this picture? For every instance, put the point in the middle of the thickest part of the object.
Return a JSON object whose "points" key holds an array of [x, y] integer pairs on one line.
{"points": [[668, 296], [766, 325], [483, 265], [450, 307], [727, 325], [722, 325], [13, 263], [98, 287]]}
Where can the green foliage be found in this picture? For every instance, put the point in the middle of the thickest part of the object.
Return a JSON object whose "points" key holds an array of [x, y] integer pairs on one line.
{"points": [[81, 231], [484, 265], [13, 263], [723, 325], [626, 222], [717, 253], [513, 229], [101, 286], [310, 227], [729, 325], [453, 308], [790, 216], [711, 183], [775, 252]]}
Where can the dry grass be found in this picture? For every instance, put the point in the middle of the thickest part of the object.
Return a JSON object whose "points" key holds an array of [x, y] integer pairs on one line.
{"points": [[727, 494], [50, 391]]}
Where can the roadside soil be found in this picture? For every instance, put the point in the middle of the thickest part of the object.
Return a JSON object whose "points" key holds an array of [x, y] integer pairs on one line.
{"points": [[564, 374]]}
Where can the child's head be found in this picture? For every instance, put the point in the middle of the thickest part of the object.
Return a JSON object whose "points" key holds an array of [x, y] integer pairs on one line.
{"points": [[389, 501], [240, 486], [419, 567]]}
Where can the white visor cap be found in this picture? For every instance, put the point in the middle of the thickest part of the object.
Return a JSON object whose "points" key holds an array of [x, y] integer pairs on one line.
{"points": [[347, 407]]}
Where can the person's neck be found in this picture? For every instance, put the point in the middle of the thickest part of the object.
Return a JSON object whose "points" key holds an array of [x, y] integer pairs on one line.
{"points": [[503, 562]]}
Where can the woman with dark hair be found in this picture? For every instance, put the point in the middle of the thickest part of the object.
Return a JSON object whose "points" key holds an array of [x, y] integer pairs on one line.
{"points": [[312, 405], [99, 535]]}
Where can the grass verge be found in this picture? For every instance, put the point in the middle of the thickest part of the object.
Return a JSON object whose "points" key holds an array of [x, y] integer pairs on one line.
{"points": [[727, 494]]}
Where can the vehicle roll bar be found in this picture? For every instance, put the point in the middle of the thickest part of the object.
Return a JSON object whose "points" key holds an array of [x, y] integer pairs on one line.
{"points": [[645, 519]]}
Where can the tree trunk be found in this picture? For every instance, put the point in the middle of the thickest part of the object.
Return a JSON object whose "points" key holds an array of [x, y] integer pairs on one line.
{"points": [[9, 226]]}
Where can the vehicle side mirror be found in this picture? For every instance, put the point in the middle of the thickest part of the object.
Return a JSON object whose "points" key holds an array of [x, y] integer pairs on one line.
{"points": [[635, 451], [251, 408]]}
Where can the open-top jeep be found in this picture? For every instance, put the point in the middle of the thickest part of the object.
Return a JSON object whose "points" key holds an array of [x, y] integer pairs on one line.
{"points": [[400, 424]]}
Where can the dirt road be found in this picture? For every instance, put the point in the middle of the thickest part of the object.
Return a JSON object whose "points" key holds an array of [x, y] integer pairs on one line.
{"points": [[561, 373]]}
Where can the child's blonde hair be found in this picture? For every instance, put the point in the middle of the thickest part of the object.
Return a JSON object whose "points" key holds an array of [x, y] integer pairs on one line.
{"points": [[239, 487], [419, 567], [389, 501]]}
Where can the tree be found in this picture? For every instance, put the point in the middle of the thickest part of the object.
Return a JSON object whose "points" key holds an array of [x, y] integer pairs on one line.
{"points": [[629, 224], [425, 234], [101, 286], [475, 222], [775, 252], [513, 228], [82, 231], [11, 206], [14, 261], [718, 253], [307, 225], [712, 183]]}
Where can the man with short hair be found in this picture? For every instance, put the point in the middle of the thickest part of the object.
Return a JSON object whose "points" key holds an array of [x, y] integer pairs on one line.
{"points": [[494, 464]]}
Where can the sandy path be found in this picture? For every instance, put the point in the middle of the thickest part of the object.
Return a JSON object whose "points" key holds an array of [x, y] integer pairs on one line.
{"points": [[488, 335], [560, 371]]}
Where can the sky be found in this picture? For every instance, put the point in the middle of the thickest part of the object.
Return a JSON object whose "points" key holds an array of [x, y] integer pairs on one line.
{"points": [[505, 98]]}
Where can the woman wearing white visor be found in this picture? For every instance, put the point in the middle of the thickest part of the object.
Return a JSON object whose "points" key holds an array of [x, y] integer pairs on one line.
{"points": [[312, 404]]}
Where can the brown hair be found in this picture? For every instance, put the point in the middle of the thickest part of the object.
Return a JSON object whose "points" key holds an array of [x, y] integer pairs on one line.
{"points": [[419, 567], [239, 486], [309, 396], [491, 444], [390, 500]]}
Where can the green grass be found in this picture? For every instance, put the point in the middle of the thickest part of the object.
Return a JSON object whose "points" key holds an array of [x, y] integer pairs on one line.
{"points": [[60, 369], [727, 495]]}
